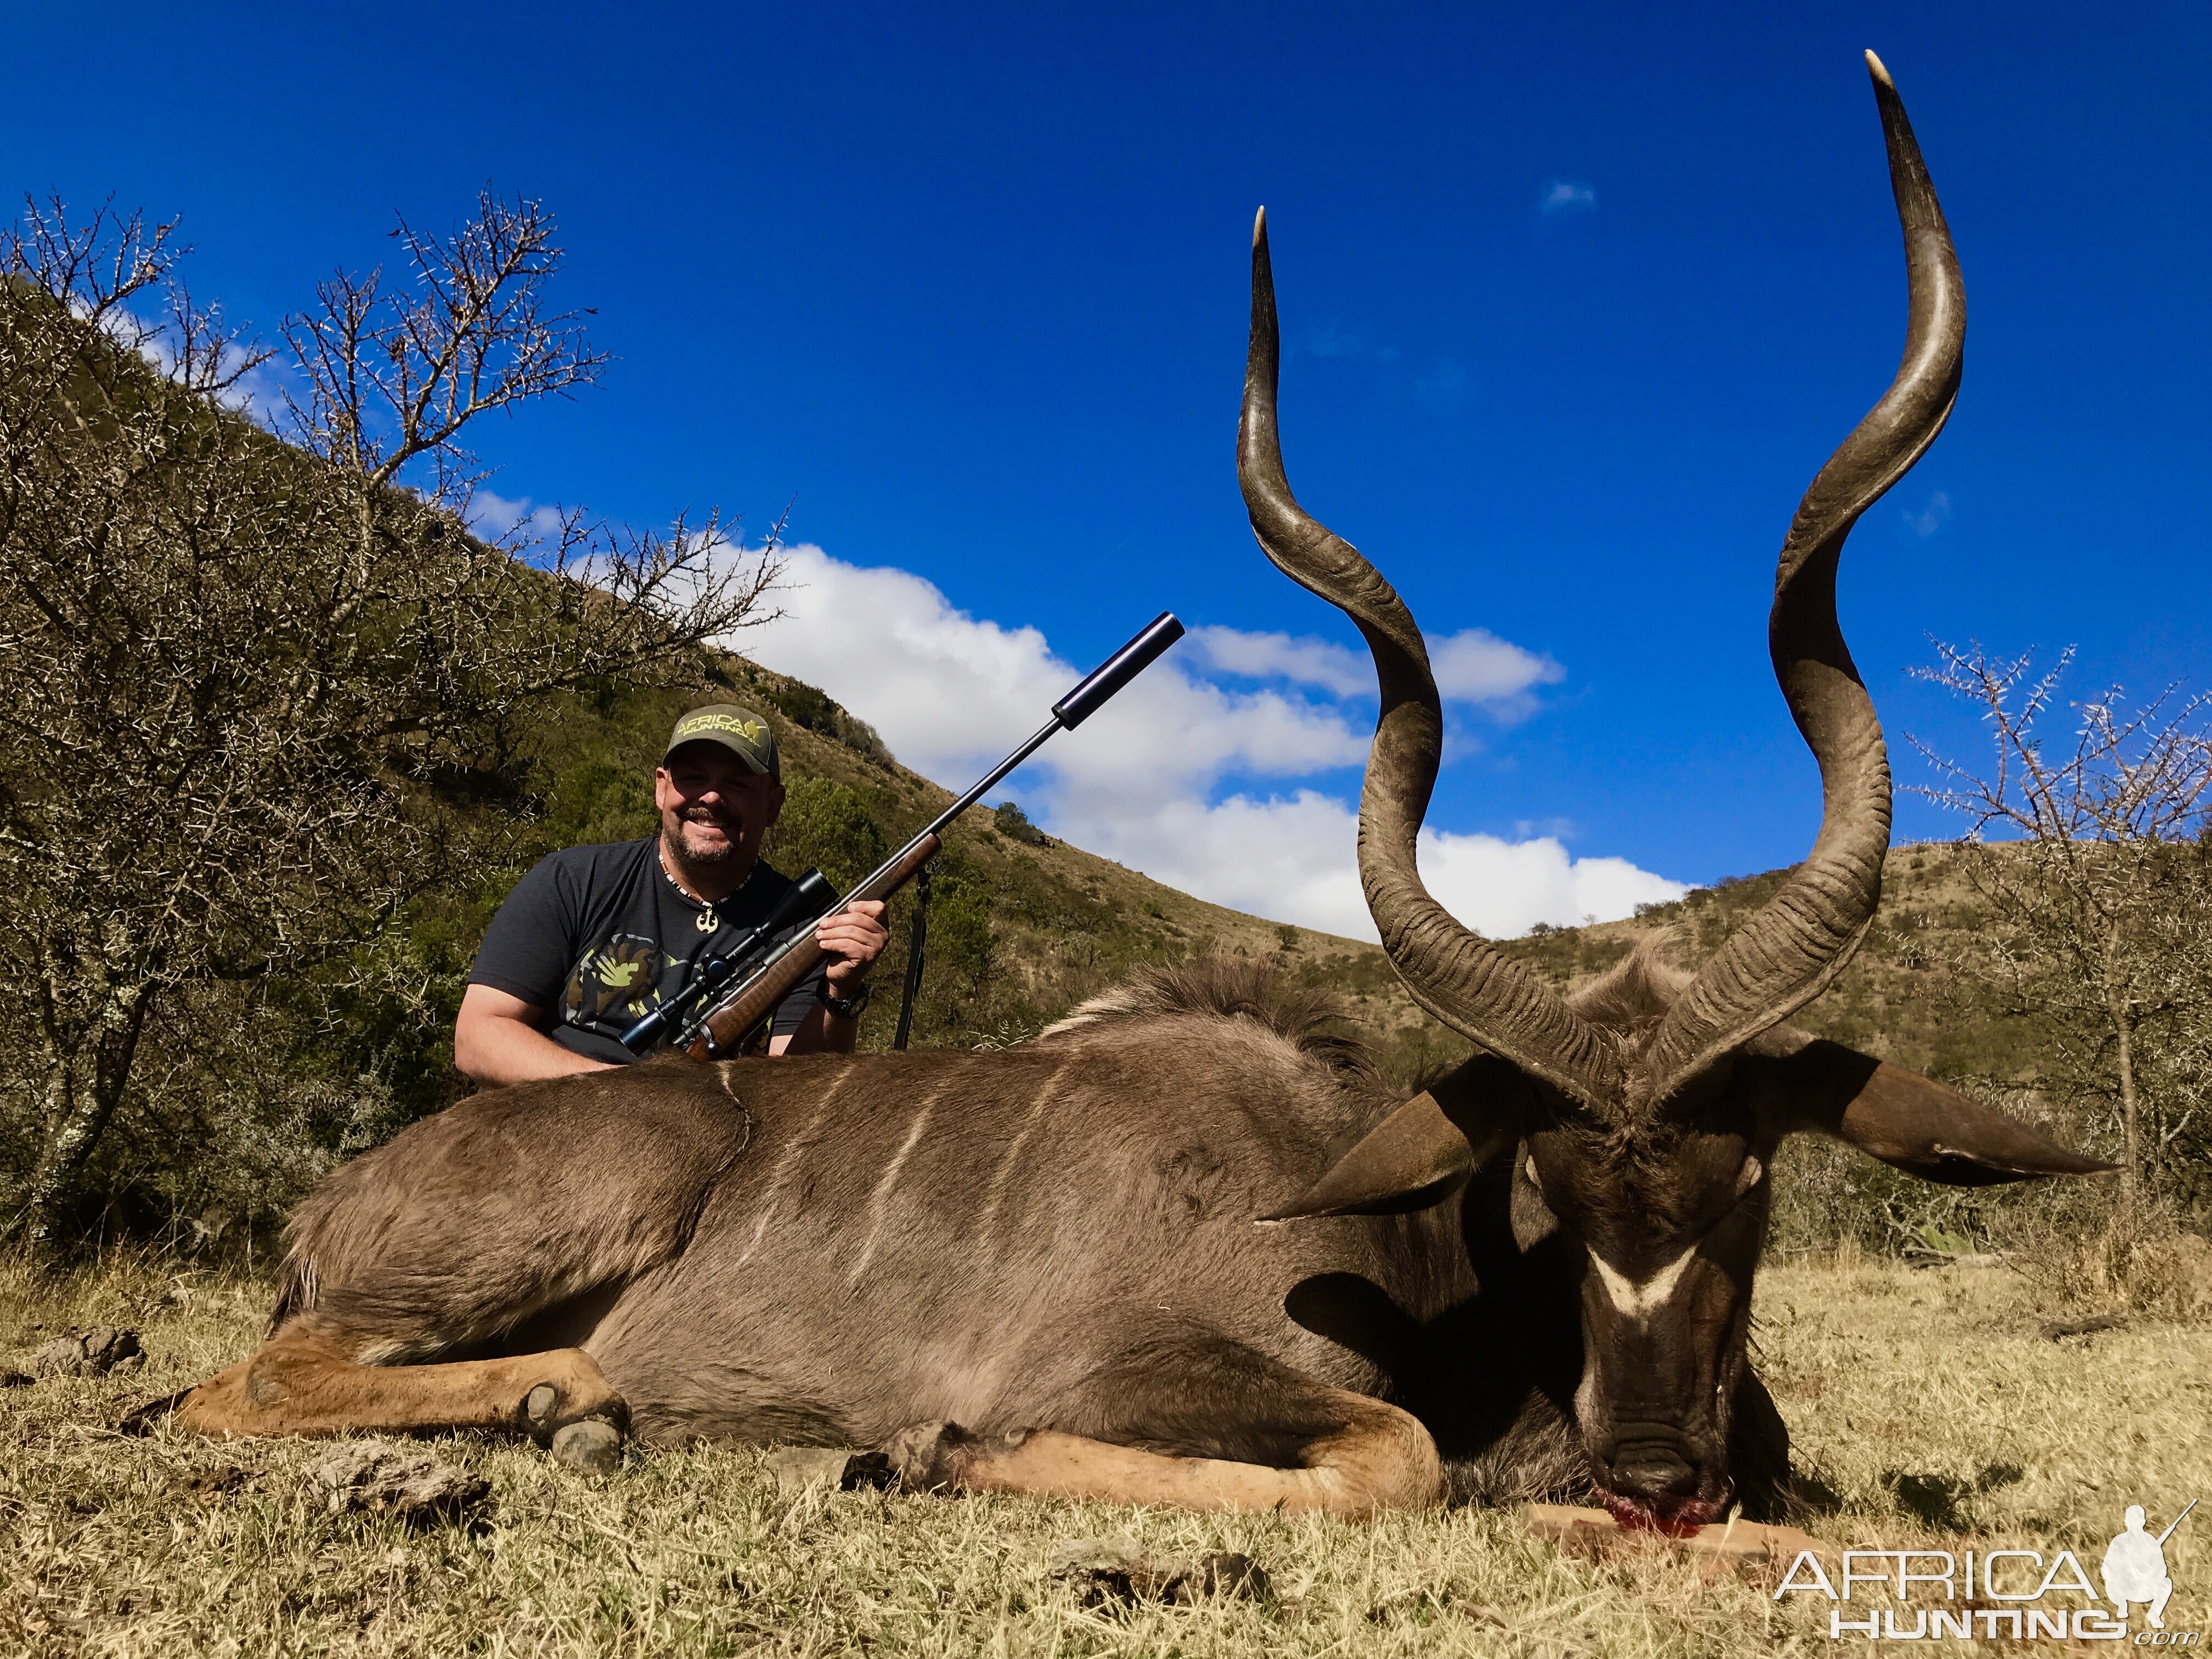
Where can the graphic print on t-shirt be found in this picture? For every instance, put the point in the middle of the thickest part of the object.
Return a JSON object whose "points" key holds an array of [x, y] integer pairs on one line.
{"points": [[618, 975]]}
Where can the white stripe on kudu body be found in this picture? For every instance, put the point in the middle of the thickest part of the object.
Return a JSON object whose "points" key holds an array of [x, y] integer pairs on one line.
{"points": [[1046, 1096], [883, 1192], [1640, 1301], [790, 1154]]}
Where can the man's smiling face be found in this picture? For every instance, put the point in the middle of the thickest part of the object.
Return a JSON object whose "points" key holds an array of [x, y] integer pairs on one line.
{"points": [[714, 809]]}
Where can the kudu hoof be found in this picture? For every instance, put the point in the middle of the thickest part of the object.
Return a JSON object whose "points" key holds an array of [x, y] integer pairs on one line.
{"points": [[593, 1446], [932, 1456], [549, 1409], [144, 1419], [538, 1410]]}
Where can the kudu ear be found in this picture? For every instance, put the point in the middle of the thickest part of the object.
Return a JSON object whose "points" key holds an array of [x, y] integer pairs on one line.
{"points": [[1427, 1148], [1912, 1122]]}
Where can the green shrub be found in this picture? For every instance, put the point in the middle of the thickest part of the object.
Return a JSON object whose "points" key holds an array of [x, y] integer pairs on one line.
{"points": [[827, 826], [803, 705], [1014, 824]]}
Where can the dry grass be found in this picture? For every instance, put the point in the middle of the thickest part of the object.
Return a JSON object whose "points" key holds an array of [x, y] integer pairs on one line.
{"points": [[1928, 1403]]}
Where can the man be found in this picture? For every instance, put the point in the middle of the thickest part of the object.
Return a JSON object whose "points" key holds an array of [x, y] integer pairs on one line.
{"points": [[2135, 1570], [594, 939]]}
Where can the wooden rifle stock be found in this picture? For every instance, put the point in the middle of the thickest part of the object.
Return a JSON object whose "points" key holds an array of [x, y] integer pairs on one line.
{"points": [[727, 1028]]}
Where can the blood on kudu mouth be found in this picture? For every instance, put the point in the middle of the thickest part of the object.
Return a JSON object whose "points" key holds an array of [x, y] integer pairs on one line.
{"points": [[1666, 1514], [1677, 1508]]}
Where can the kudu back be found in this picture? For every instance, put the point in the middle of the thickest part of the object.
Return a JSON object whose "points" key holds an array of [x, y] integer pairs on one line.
{"points": [[1045, 1269]]}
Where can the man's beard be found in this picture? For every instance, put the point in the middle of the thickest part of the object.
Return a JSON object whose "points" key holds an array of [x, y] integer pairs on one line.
{"points": [[706, 858]]}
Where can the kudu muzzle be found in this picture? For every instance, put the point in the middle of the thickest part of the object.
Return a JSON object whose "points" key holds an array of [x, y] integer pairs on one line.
{"points": [[1662, 1359]]}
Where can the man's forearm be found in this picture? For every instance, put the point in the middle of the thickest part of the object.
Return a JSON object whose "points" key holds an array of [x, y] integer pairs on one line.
{"points": [[496, 1052], [820, 1032]]}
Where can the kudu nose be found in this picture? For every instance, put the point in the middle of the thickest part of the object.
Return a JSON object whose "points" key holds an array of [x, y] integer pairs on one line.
{"points": [[1652, 1468]]}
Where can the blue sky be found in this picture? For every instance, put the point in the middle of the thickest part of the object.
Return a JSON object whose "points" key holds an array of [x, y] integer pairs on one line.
{"points": [[1576, 300]]}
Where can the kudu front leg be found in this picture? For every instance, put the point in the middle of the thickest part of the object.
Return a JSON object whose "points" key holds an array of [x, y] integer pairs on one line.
{"points": [[1381, 1458], [309, 1382]]}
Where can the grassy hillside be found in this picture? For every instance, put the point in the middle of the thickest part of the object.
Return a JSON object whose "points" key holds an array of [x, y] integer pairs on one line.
{"points": [[1900, 999]]}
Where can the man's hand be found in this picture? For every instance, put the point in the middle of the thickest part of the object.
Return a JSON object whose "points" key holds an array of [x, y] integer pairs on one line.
{"points": [[851, 940]]}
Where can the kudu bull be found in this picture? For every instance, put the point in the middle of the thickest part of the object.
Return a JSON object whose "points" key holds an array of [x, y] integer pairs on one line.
{"points": [[1042, 1270]]}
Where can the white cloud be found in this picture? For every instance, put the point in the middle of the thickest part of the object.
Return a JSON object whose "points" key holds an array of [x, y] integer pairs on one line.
{"points": [[1473, 666], [494, 517], [952, 692], [1567, 196], [1335, 670], [1339, 343], [1288, 857], [1503, 888], [1296, 860], [1930, 518]]}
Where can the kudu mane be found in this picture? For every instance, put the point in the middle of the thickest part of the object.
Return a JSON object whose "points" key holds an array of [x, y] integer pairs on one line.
{"points": [[1630, 998], [1633, 995], [1311, 1021]]}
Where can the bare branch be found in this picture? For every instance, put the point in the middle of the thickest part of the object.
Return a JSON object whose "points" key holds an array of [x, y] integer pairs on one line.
{"points": [[397, 376]]}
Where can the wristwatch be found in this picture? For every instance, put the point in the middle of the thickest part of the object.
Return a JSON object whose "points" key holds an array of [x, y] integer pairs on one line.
{"points": [[845, 1007]]}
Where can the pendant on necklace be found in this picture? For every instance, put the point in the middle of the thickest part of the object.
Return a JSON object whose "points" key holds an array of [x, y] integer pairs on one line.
{"points": [[706, 921]]}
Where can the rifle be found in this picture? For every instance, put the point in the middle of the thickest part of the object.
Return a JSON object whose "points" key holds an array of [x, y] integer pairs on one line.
{"points": [[722, 1029], [2176, 1521]]}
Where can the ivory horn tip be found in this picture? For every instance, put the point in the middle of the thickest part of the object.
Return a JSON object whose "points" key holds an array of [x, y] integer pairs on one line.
{"points": [[1260, 227], [1876, 68]]}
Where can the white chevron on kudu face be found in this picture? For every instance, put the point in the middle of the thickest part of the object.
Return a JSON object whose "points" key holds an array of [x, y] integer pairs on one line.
{"points": [[1641, 1300]]}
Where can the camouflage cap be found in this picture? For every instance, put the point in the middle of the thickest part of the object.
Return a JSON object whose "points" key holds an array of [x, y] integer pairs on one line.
{"points": [[740, 731]]}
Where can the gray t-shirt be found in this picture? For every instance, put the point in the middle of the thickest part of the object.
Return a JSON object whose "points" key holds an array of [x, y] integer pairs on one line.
{"points": [[598, 937]]}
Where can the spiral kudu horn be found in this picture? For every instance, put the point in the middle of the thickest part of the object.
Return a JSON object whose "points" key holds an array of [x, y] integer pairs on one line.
{"points": [[1453, 973], [1786, 954]]}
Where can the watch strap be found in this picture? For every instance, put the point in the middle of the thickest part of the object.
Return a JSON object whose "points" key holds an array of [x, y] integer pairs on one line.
{"points": [[846, 1008]]}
